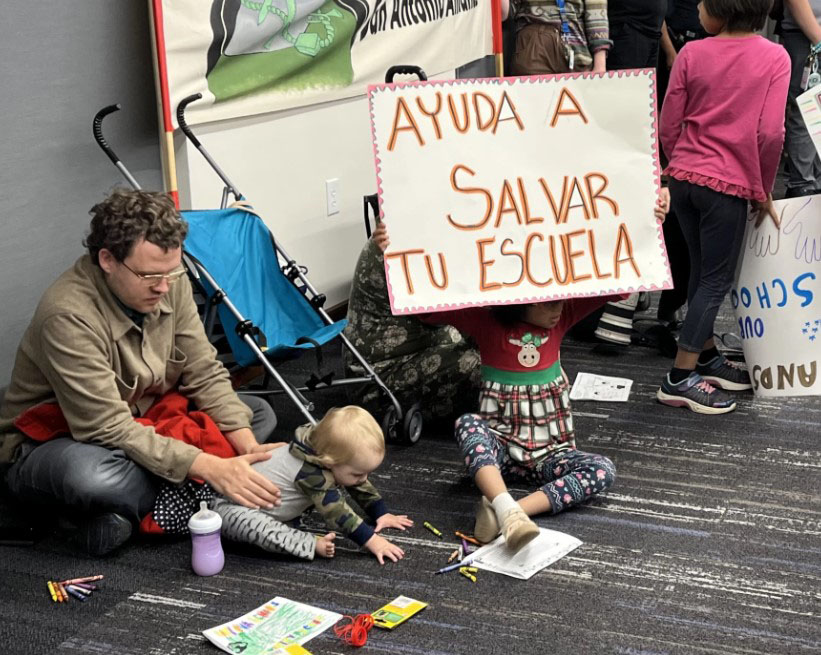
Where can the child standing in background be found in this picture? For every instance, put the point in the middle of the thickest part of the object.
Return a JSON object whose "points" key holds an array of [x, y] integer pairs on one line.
{"points": [[340, 451], [722, 129]]}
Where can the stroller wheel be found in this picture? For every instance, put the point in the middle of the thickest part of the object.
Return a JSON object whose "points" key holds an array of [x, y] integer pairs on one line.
{"points": [[390, 422], [413, 425]]}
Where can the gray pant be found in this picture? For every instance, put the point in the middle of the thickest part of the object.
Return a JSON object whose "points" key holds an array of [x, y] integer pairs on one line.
{"points": [[713, 226], [90, 479], [804, 166]]}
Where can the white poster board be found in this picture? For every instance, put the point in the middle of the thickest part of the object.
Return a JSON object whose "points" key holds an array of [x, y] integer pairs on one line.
{"points": [[249, 57], [777, 300], [514, 190]]}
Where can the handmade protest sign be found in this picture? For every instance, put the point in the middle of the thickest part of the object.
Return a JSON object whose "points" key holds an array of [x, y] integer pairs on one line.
{"points": [[517, 190], [777, 300]]}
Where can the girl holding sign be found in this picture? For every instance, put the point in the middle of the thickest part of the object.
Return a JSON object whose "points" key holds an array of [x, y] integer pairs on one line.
{"points": [[722, 128], [524, 431]]}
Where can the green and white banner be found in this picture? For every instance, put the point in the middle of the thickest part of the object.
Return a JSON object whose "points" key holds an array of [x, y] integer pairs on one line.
{"points": [[252, 56]]}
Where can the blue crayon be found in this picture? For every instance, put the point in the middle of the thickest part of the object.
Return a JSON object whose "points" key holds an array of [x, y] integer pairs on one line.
{"points": [[76, 594], [453, 567]]}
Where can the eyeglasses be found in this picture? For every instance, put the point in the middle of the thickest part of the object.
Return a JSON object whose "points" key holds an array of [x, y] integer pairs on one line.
{"points": [[153, 279]]}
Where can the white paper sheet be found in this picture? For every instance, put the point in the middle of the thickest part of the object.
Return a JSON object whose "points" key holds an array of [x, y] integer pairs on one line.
{"points": [[589, 386], [549, 547]]}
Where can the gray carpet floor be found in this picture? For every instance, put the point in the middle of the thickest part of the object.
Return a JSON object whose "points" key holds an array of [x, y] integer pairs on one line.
{"points": [[708, 543]]}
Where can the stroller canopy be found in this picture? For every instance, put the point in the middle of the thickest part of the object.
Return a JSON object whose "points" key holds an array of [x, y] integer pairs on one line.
{"points": [[237, 250]]}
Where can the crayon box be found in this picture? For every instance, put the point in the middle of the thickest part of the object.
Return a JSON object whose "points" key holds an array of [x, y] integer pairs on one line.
{"points": [[398, 611]]}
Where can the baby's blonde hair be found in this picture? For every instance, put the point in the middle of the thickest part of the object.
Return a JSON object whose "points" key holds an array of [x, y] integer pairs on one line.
{"points": [[342, 433]]}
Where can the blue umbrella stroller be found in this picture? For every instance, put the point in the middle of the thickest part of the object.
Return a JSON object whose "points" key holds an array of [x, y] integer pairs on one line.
{"points": [[261, 297]]}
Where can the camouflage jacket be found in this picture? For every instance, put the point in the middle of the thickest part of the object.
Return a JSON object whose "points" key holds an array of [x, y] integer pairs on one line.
{"points": [[318, 484]]}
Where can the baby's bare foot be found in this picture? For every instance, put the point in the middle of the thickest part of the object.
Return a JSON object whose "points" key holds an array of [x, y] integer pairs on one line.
{"points": [[325, 545]]}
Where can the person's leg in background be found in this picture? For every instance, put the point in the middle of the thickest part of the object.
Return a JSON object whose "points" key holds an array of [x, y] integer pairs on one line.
{"points": [[713, 225], [631, 48], [264, 420], [804, 167], [671, 300]]}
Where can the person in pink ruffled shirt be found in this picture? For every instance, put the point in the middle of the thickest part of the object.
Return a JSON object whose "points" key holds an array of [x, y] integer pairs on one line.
{"points": [[722, 129]]}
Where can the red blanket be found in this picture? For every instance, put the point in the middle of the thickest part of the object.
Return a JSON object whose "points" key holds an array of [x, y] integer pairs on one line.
{"points": [[169, 416]]}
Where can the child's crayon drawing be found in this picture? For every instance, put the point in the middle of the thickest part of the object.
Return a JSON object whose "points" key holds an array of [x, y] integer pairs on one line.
{"points": [[271, 627]]}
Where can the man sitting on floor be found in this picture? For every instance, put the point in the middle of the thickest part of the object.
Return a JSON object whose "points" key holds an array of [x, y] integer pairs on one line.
{"points": [[112, 335]]}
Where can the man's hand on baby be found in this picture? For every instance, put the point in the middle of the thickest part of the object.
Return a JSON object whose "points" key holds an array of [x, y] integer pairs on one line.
{"points": [[382, 549], [380, 237], [234, 478], [325, 545], [392, 521], [662, 205]]}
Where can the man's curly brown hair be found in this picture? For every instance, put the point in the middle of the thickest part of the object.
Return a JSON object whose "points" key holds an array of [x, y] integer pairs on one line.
{"points": [[126, 217]]}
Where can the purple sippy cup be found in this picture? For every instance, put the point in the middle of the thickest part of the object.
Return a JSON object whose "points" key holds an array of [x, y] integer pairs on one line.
{"points": [[207, 557]]}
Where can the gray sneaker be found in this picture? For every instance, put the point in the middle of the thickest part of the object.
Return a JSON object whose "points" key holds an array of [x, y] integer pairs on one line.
{"points": [[724, 374], [696, 394]]}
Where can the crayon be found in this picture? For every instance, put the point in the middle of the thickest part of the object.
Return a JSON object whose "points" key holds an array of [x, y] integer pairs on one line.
{"points": [[432, 529], [467, 538], [453, 555], [52, 591], [453, 567], [85, 592], [62, 596], [90, 578], [83, 585], [468, 575], [77, 594]]}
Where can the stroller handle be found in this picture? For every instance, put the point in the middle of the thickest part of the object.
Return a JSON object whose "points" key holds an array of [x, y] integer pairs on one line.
{"points": [[98, 130], [181, 117], [190, 135], [405, 69]]}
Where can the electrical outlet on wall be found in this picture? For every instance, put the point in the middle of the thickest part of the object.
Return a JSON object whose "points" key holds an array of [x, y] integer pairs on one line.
{"points": [[332, 195]]}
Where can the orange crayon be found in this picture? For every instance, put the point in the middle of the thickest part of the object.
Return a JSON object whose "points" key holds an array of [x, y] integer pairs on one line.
{"points": [[467, 538], [63, 592]]}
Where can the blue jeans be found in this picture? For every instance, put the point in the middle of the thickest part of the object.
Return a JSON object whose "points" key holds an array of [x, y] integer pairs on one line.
{"points": [[713, 225], [90, 479]]}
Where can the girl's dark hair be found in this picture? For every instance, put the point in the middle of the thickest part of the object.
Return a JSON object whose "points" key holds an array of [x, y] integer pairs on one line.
{"points": [[509, 315], [126, 216], [740, 15]]}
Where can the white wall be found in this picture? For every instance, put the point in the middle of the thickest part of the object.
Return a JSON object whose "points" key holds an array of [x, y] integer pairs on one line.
{"points": [[280, 162]]}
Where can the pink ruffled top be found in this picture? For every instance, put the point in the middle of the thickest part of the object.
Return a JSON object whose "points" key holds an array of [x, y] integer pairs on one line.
{"points": [[722, 123]]}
